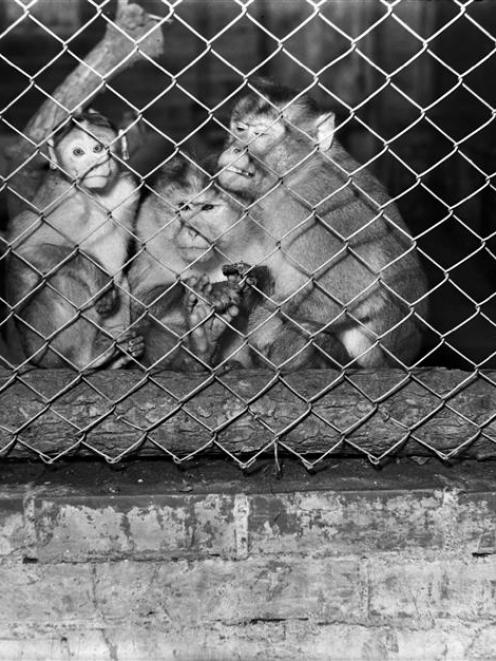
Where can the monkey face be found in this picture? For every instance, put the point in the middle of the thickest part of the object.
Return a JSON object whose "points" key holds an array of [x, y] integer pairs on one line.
{"points": [[279, 130], [85, 154], [238, 171], [204, 226], [259, 133]]}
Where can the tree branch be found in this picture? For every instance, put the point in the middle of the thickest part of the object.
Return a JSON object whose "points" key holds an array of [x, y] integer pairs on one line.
{"points": [[130, 35]]}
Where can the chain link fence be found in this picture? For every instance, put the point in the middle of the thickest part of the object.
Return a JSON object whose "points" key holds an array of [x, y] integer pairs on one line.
{"points": [[301, 310]]}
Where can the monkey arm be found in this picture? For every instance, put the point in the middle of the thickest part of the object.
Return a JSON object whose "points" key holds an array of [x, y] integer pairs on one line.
{"points": [[218, 312], [287, 344], [191, 324], [158, 314], [53, 293]]}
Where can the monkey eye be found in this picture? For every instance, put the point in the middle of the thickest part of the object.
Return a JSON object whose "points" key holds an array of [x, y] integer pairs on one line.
{"points": [[98, 148], [207, 207], [77, 151]]}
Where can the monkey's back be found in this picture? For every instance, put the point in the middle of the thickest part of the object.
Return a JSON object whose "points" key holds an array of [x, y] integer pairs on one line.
{"points": [[376, 231], [350, 227], [345, 254]]}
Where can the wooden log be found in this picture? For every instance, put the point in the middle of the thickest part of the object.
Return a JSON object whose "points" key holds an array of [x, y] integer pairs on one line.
{"points": [[374, 413], [132, 34]]}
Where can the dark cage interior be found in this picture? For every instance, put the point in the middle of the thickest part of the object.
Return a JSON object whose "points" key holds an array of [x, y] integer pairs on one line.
{"points": [[408, 86]]}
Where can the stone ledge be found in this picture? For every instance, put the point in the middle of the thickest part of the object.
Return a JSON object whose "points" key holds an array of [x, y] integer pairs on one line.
{"points": [[171, 526], [157, 517]]}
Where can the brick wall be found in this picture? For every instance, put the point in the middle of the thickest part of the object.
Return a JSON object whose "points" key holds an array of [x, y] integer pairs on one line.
{"points": [[148, 563]]}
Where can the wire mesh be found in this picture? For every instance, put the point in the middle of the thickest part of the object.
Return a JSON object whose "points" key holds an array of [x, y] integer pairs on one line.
{"points": [[301, 309]]}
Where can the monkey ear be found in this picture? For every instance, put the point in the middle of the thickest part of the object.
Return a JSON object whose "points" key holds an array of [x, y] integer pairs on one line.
{"points": [[124, 146], [325, 130], [52, 154]]}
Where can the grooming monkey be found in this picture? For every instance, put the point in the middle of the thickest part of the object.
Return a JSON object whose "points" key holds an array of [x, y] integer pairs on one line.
{"points": [[347, 282], [65, 277], [183, 304]]}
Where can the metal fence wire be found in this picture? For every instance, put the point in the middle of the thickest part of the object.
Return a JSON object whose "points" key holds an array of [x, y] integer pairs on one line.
{"points": [[191, 195]]}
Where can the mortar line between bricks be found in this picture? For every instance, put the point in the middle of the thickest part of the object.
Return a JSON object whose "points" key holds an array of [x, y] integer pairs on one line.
{"points": [[363, 572], [241, 511], [29, 523]]}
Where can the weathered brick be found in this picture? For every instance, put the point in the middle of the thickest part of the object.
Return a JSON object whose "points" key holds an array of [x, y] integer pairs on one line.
{"points": [[78, 529], [277, 641], [447, 641], [330, 523], [484, 645], [31, 644], [346, 642], [424, 591], [47, 594], [477, 521], [216, 590], [35, 648], [14, 535]]}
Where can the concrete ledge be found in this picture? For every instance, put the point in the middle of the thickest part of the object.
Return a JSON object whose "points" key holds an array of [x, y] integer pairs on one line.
{"points": [[318, 523]]}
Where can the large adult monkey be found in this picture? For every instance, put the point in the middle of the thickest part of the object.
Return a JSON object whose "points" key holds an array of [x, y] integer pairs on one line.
{"points": [[189, 279], [65, 275], [347, 279]]}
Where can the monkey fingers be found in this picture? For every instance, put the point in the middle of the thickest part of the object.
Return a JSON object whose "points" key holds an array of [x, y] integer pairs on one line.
{"points": [[210, 309], [247, 282], [239, 275], [136, 346], [130, 346], [195, 285], [205, 298]]}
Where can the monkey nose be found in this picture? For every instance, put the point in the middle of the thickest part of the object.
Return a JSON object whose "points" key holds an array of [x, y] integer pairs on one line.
{"points": [[191, 232]]}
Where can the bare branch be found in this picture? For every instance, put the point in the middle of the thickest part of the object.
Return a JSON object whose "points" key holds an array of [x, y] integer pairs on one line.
{"points": [[131, 34]]}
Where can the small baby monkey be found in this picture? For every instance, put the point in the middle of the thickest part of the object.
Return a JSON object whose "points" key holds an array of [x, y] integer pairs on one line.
{"points": [[65, 275]]}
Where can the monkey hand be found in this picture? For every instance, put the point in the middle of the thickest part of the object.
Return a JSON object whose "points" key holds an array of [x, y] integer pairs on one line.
{"points": [[242, 278], [131, 346], [239, 275], [210, 309], [134, 344]]}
